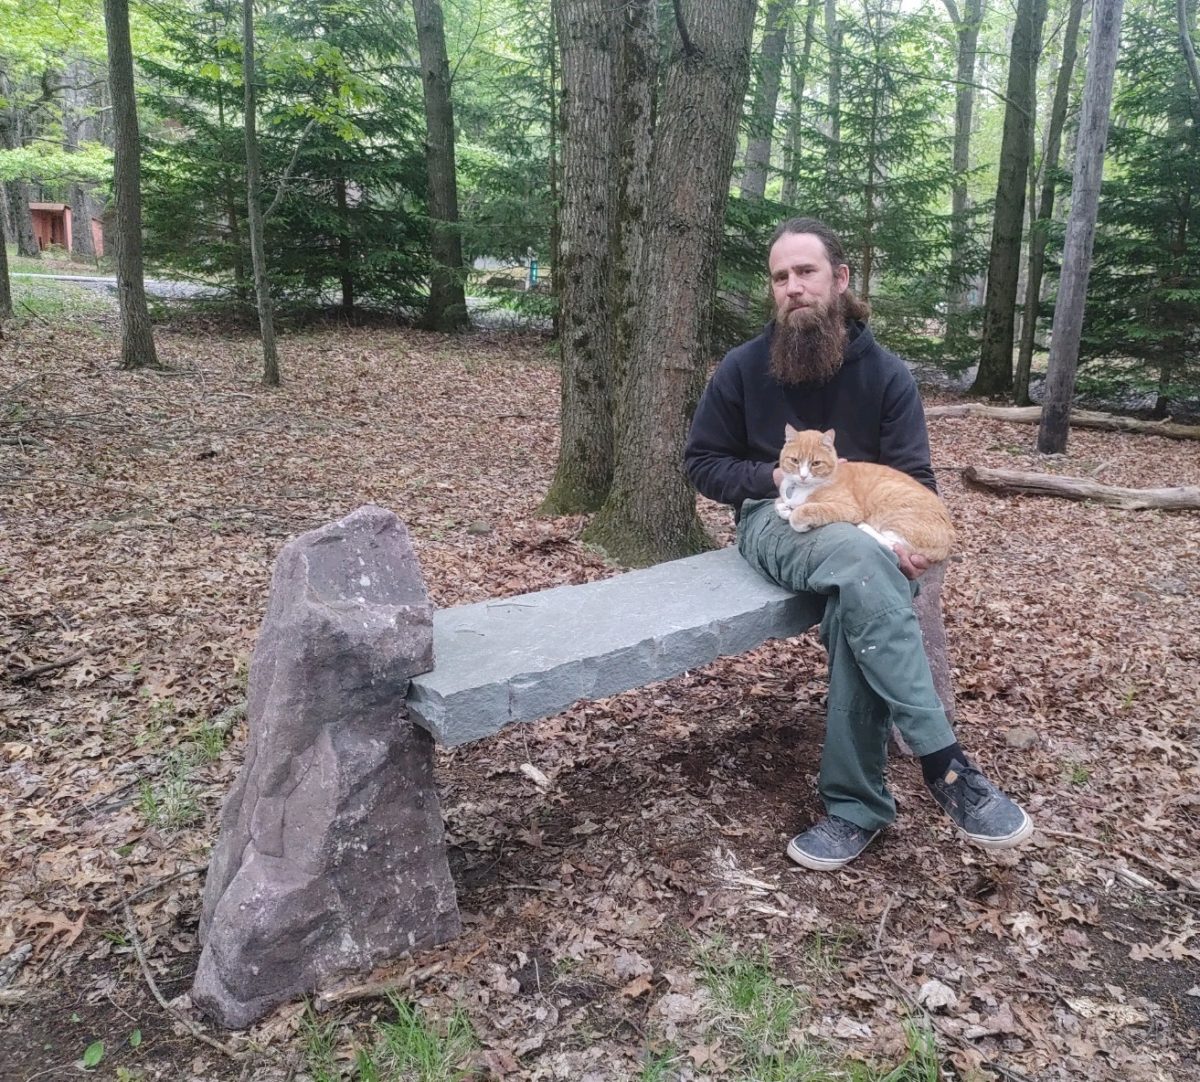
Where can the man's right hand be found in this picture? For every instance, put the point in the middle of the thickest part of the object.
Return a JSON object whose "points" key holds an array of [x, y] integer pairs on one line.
{"points": [[777, 477]]}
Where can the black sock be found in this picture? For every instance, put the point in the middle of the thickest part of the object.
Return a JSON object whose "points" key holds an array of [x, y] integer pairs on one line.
{"points": [[936, 763]]}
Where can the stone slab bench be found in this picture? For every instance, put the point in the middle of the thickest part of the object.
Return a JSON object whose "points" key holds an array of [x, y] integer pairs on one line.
{"points": [[331, 858], [523, 658]]}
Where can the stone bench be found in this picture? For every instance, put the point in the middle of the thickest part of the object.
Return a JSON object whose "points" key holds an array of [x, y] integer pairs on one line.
{"points": [[331, 858]]}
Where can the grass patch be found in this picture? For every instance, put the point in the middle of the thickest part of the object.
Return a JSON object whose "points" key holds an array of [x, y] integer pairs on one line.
{"points": [[52, 261], [57, 302], [757, 1020], [412, 1048]]}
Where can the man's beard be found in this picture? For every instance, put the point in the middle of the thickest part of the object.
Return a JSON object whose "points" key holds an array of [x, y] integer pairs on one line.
{"points": [[808, 343]]}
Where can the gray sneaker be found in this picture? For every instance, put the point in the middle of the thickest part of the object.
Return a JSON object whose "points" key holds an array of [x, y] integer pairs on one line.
{"points": [[829, 843], [983, 813]]}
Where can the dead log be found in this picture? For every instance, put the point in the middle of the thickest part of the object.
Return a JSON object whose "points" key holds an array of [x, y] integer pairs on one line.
{"points": [[1079, 419], [1020, 482]]}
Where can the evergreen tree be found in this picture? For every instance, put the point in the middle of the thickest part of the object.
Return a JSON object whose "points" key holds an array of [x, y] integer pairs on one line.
{"points": [[1142, 327]]}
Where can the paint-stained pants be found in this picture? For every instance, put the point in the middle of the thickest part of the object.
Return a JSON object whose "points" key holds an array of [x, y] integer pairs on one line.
{"points": [[878, 672]]}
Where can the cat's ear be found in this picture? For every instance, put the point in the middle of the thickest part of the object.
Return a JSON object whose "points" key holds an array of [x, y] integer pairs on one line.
{"points": [[827, 438], [789, 432]]}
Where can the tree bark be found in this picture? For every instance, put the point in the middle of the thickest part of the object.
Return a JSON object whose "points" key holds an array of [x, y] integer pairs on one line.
{"points": [[966, 28], [6, 308], [1038, 233], [833, 47], [1080, 419], [1103, 44], [995, 374], [799, 77], [765, 100], [137, 336], [650, 513], [1189, 54], [1083, 488], [447, 308], [19, 196], [254, 213], [78, 125], [586, 32]]}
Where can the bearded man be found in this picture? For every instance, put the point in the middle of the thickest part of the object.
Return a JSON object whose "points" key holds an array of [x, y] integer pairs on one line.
{"points": [[817, 365]]}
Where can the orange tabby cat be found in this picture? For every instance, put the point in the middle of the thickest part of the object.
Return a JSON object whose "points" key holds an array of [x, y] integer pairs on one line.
{"points": [[889, 505]]}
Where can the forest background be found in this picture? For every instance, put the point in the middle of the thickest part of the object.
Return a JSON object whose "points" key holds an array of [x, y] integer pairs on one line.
{"points": [[942, 141]]}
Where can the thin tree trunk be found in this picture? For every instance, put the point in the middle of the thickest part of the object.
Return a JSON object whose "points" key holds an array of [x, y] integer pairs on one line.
{"points": [[799, 73], [254, 213], [1038, 234], [995, 374], [344, 246], [6, 308], [447, 308], [966, 29], [77, 126], [1103, 44], [137, 336], [833, 47], [231, 215], [552, 101], [584, 271], [21, 218], [766, 98], [650, 513], [1189, 54]]}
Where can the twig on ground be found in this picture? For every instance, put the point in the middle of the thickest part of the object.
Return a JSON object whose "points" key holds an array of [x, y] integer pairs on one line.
{"points": [[169, 879], [1176, 880], [38, 317], [41, 670], [376, 989], [914, 1005], [136, 940]]}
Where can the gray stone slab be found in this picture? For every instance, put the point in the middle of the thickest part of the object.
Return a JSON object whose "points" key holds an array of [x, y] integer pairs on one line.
{"points": [[526, 657]]}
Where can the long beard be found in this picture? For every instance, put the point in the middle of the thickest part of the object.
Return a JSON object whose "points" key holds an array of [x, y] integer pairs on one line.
{"points": [[808, 344]]}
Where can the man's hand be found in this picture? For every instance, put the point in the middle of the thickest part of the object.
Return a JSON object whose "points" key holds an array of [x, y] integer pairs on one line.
{"points": [[912, 565], [777, 477]]}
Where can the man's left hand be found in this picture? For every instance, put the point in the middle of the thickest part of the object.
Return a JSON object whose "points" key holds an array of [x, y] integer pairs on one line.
{"points": [[912, 565]]}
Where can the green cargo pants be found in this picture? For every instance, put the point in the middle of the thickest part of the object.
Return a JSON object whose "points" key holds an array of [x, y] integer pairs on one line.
{"points": [[878, 672]]}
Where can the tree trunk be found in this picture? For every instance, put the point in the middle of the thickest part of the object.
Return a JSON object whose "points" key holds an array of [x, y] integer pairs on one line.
{"points": [[1083, 488], [21, 218], [766, 98], [833, 48], [344, 246], [254, 213], [77, 127], [1081, 226], [1189, 54], [552, 101], [799, 73], [966, 29], [6, 308], [996, 354], [137, 336], [1038, 234], [586, 31], [447, 308], [650, 513]]}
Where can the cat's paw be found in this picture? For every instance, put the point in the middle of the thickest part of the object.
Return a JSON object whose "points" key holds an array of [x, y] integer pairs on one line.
{"points": [[800, 525], [782, 509]]}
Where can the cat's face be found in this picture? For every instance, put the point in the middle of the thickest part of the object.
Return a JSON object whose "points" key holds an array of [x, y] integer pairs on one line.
{"points": [[809, 456]]}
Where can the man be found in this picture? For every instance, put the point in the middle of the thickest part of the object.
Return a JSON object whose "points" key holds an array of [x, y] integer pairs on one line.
{"points": [[817, 365]]}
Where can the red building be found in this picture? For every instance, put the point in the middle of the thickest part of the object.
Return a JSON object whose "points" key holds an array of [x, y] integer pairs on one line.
{"points": [[52, 225]]}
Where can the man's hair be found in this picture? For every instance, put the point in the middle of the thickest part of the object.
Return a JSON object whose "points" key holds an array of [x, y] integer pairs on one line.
{"points": [[854, 306], [828, 238]]}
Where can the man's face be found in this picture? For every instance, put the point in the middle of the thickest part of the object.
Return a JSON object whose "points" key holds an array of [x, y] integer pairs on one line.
{"points": [[802, 278]]}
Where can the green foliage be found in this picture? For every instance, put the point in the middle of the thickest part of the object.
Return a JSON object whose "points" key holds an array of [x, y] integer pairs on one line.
{"points": [[1141, 331], [52, 165], [410, 1047], [340, 133]]}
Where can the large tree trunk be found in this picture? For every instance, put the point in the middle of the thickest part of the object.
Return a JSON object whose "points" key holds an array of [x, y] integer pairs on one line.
{"points": [[78, 126], [765, 100], [650, 513], [137, 336], [21, 218], [799, 77], [447, 308], [966, 27], [1185, 498], [996, 354], [1038, 233], [254, 213], [1081, 226], [586, 31]]}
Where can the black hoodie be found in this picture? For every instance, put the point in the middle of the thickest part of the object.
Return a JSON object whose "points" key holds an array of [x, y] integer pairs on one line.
{"points": [[872, 404]]}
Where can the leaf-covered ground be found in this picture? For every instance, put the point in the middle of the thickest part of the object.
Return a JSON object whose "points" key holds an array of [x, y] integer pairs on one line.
{"points": [[141, 514]]}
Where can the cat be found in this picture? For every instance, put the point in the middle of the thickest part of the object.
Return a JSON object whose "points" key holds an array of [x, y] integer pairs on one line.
{"points": [[891, 506]]}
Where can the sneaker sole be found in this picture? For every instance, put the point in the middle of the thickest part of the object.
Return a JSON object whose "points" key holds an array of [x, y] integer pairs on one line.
{"points": [[1007, 841], [822, 864]]}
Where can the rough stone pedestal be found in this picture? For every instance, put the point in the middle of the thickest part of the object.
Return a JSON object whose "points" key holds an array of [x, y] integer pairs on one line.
{"points": [[331, 857]]}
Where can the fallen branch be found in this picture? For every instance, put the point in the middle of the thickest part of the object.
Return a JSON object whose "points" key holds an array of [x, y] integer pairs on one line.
{"points": [[405, 982], [139, 950], [1175, 880], [41, 670], [169, 879], [1022, 482], [1079, 419]]}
